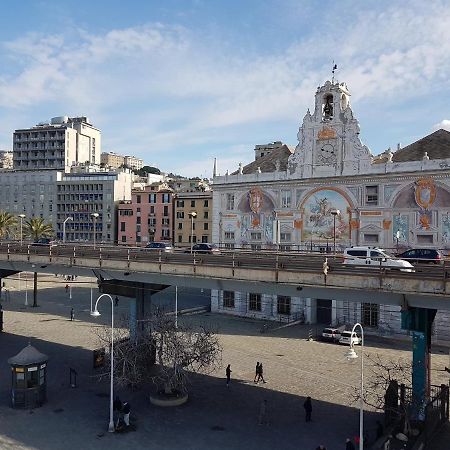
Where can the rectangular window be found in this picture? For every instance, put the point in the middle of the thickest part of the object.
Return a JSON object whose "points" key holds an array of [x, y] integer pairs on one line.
{"points": [[229, 245], [285, 199], [204, 238], [180, 214], [138, 199], [152, 210], [372, 195], [138, 220], [205, 215], [230, 201], [192, 203], [165, 221], [180, 203], [205, 226], [206, 203], [122, 226], [229, 234], [371, 238], [166, 211], [255, 235], [180, 226], [285, 237], [152, 198], [180, 238], [166, 198], [369, 314], [283, 304], [228, 299], [254, 302], [255, 247]]}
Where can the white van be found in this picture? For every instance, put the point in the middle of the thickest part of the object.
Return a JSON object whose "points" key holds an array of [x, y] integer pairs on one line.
{"points": [[374, 257]]}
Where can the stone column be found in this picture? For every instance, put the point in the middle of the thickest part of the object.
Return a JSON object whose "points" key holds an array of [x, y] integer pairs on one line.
{"points": [[311, 310]]}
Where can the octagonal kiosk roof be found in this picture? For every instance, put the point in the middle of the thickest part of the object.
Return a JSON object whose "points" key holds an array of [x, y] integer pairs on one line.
{"points": [[28, 356]]}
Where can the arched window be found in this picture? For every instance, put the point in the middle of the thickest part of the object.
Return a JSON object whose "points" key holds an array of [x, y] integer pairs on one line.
{"points": [[328, 107]]}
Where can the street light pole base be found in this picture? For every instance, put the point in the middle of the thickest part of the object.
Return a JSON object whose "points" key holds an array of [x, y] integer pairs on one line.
{"points": [[111, 427]]}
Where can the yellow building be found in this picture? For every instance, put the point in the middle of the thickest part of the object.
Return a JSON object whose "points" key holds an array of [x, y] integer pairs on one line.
{"points": [[192, 217]]}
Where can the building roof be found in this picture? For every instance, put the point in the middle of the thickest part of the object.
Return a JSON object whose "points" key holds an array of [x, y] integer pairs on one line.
{"points": [[29, 355], [268, 163], [437, 146]]}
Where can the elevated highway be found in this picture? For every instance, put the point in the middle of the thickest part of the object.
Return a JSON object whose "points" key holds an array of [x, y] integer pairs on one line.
{"points": [[291, 274]]}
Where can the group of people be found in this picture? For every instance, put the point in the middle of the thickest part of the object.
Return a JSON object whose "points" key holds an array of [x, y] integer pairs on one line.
{"points": [[122, 414]]}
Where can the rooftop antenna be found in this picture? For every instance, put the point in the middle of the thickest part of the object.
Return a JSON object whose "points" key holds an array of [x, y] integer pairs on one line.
{"points": [[332, 71]]}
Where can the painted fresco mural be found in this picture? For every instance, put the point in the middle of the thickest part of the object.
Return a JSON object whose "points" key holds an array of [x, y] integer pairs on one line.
{"points": [[401, 224], [318, 220], [258, 215]]}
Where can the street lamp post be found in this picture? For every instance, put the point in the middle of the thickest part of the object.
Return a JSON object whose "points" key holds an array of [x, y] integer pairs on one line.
{"points": [[94, 218], [64, 228], [351, 355], [21, 217], [192, 215], [334, 213], [96, 313]]}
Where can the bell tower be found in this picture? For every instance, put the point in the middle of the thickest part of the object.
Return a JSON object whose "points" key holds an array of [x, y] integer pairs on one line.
{"points": [[329, 142]]}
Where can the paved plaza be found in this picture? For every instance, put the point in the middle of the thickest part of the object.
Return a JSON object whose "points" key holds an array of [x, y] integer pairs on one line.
{"points": [[215, 417]]}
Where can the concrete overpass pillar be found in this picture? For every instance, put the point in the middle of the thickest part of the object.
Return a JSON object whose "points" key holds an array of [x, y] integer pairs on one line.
{"points": [[420, 321], [140, 307], [311, 310]]}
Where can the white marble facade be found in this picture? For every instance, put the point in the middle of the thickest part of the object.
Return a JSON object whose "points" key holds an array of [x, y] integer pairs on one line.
{"points": [[393, 205]]}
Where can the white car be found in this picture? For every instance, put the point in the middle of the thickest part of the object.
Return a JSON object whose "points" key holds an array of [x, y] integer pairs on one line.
{"points": [[374, 257], [347, 335]]}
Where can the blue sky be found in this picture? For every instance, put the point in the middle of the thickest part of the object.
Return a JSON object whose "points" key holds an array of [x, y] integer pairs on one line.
{"points": [[181, 82]]}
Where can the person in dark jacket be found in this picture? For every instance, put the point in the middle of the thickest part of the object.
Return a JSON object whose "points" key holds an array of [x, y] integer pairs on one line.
{"points": [[308, 409], [256, 371], [228, 374], [349, 445]]}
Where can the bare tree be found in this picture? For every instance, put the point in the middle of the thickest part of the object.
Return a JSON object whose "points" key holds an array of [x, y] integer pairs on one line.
{"points": [[178, 352]]}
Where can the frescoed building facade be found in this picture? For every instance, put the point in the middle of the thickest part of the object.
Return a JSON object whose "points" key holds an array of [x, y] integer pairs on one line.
{"points": [[332, 188]]}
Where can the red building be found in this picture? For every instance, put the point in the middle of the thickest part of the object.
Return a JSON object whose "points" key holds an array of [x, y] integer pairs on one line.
{"points": [[147, 217]]}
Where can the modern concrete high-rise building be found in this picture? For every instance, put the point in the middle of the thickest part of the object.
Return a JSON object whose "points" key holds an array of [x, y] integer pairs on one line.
{"points": [[58, 144]]}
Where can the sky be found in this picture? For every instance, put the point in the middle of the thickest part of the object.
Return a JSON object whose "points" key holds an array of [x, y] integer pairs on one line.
{"points": [[179, 83]]}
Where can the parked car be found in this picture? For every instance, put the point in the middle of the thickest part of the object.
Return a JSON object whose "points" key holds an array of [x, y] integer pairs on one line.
{"points": [[331, 334], [47, 242], [347, 335], [204, 247], [159, 246], [422, 255], [374, 257]]}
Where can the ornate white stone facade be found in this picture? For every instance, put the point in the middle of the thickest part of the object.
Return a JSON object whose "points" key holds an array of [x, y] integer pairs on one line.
{"points": [[381, 202]]}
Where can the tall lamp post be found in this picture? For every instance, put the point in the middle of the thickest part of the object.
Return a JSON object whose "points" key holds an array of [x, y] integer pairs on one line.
{"points": [[334, 213], [351, 355], [64, 228], [94, 218], [192, 215], [21, 217], [96, 313]]}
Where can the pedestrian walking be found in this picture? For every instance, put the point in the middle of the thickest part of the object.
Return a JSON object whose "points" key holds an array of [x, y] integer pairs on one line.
{"points": [[67, 288], [228, 374], [260, 373], [256, 371], [126, 413], [116, 301], [262, 419], [72, 314], [308, 409], [349, 445], [117, 408]]}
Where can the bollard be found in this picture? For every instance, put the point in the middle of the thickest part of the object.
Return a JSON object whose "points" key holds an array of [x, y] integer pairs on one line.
{"points": [[310, 334]]}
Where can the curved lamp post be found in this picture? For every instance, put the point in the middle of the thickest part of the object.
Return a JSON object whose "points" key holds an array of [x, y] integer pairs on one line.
{"points": [[94, 218], [21, 217], [64, 228], [334, 213], [192, 215], [96, 313], [351, 355]]}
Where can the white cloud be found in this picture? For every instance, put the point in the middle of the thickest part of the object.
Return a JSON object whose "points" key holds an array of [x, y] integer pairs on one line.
{"points": [[443, 124]]}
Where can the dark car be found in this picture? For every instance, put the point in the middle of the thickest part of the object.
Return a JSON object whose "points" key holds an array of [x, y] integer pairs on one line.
{"points": [[161, 246], [44, 242], [205, 248], [422, 255]]}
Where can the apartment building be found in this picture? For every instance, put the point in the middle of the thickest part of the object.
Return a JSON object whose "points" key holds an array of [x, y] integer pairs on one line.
{"points": [[114, 160], [147, 217], [192, 217], [58, 144], [87, 203]]}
